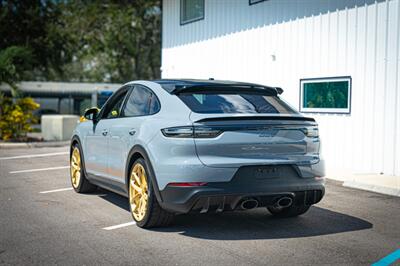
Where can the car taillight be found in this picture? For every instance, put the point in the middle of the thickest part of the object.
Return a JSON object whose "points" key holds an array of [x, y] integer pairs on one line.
{"points": [[178, 132], [191, 132]]}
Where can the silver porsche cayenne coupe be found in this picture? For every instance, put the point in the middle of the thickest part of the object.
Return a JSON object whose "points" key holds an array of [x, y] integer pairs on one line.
{"points": [[180, 146]]}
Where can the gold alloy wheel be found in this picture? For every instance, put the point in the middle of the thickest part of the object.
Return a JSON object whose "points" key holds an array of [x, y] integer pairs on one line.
{"points": [[75, 167], [138, 192]]}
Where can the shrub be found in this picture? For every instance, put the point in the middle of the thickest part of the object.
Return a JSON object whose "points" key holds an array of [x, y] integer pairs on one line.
{"points": [[16, 117]]}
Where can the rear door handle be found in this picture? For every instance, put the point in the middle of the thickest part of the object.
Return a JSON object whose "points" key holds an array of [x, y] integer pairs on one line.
{"points": [[132, 132], [104, 132]]}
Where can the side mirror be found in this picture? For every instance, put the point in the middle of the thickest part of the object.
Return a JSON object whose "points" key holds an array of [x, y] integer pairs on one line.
{"points": [[91, 114]]}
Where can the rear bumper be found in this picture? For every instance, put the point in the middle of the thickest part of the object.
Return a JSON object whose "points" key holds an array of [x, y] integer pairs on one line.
{"points": [[224, 196]]}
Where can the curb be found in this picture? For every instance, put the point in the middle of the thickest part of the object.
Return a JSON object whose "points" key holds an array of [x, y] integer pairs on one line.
{"points": [[43, 144], [374, 188]]}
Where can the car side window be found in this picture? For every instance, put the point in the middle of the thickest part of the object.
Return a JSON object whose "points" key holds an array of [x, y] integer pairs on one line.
{"points": [[154, 105], [141, 102], [114, 109]]}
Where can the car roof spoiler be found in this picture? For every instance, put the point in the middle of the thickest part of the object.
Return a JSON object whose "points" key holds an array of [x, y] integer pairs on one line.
{"points": [[180, 86], [228, 88]]}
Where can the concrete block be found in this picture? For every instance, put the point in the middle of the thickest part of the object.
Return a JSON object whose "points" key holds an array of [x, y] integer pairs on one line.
{"points": [[58, 127]]}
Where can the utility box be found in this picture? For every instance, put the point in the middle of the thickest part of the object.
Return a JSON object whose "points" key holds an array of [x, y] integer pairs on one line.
{"points": [[58, 127]]}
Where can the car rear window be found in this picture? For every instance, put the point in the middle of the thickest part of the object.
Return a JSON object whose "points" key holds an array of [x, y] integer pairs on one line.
{"points": [[218, 103]]}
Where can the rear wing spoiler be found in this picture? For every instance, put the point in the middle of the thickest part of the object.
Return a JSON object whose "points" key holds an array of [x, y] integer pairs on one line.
{"points": [[221, 88]]}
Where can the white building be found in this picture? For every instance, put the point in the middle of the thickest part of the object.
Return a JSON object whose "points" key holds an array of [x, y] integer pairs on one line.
{"points": [[281, 42]]}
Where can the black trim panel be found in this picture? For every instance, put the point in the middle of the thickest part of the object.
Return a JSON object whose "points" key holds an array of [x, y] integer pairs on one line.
{"points": [[211, 198], [264, 183], [108, 184], [212, 89], [255, 2]]}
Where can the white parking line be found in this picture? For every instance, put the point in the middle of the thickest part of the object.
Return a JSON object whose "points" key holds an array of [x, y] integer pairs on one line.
{"points": [[56, 190], [33, 155], [38, 170], [118, 226]]}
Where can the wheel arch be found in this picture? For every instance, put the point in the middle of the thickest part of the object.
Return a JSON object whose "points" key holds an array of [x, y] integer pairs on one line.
{"points": [[136, 152], [76, 140]]}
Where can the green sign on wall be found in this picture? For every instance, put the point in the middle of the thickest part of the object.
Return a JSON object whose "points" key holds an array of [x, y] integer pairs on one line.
{"points": [[325, 95]]}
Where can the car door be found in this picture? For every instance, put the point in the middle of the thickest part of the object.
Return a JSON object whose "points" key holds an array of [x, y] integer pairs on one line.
{"points": [[139, 103], [97, 140]]}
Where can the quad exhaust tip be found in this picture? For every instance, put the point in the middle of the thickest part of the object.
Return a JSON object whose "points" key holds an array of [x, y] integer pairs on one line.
{"points": [[281, 203], [249, 204], [284, 202]]}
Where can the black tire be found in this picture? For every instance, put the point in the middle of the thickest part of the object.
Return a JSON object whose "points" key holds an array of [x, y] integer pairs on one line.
{"points": [[84, 185], [292, 211], [155, 215]]}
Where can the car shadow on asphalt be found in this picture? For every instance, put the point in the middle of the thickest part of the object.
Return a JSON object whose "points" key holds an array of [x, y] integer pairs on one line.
{"points": [[259, 224], [255, 224], [113, 198]]}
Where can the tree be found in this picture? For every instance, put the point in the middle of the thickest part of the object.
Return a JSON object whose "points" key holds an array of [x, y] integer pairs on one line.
{"points": [[76, 40], [114, 41], [14, 61], [26, 24]]}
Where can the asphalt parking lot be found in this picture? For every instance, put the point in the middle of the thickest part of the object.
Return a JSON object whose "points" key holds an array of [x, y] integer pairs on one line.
{"points": [[43, 221]]}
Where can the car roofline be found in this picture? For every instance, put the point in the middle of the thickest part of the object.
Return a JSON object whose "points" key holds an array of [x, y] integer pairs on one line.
{"points": [[176, 86]]}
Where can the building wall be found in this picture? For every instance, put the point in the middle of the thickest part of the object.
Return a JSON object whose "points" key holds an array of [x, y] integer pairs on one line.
{"points": [[278, 42]]}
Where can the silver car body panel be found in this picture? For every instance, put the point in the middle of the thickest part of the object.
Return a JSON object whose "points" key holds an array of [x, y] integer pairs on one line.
{"points": [[107, 144]]}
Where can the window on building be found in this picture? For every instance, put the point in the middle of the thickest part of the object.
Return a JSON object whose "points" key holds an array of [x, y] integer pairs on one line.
{"points": [[325, 95], [191, 10], [252, 2]]}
